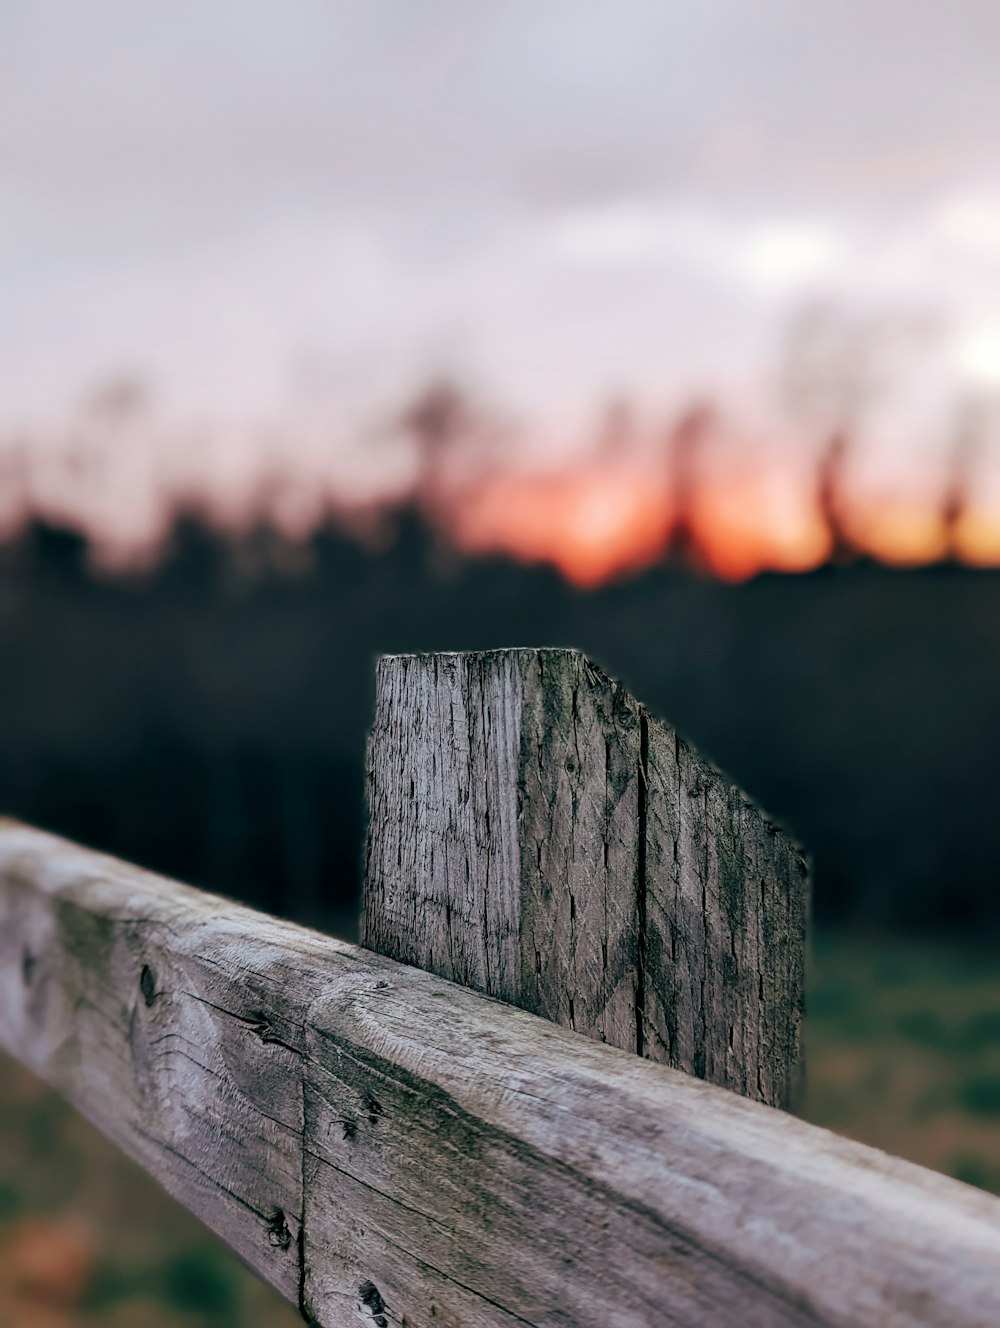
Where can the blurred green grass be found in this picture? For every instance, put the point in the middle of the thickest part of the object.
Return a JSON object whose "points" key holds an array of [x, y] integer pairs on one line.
{"points": [[903, 1052]]}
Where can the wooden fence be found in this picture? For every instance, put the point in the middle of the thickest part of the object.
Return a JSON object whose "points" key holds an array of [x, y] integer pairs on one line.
{"points": [[391, 1144]]}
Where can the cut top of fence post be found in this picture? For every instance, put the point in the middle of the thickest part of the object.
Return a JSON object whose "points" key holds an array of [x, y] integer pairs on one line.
{"points": [[536, 835]]}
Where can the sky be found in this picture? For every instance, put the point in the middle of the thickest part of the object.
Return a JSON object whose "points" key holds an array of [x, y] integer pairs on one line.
{"points": [[286, 215]]}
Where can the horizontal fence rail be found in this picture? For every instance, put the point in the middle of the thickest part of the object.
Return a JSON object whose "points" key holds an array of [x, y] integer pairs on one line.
{"points": [[386, 1147]]}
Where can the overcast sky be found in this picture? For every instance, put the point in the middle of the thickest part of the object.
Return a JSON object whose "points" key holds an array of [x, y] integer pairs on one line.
{"points": [[251, 201]]}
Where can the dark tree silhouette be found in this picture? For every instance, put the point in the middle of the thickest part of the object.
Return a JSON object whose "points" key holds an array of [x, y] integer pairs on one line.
{"points": [[684, 445], [832, 500], [965, 450], [835, 367]]}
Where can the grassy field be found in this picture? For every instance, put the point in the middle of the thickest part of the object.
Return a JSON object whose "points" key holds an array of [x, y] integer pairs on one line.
{"points": [[903, 1051]]}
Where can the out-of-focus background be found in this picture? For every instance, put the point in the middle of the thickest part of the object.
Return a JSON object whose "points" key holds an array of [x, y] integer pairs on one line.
{"points": [[668, 332]]}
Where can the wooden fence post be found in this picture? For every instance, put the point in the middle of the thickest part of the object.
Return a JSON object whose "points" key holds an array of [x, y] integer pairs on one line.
{"points": [[536, 835]]}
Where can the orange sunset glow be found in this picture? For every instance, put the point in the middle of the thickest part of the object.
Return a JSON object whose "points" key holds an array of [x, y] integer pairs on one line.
{"points": [[594, 524], [598, 521], [729, 512]]}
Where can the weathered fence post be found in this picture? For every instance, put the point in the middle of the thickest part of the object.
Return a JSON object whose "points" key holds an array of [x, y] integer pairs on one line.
{"points": [[535, 834]]}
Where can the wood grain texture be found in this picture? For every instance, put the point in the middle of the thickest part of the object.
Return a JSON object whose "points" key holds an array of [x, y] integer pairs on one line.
{"points": [[469, 1164], [536, 835], [458, 1161], [172, 1024], [726, 901]]}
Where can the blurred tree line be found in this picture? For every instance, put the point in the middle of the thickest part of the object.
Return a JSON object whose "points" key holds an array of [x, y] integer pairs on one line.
{"points": [[207, 717]]}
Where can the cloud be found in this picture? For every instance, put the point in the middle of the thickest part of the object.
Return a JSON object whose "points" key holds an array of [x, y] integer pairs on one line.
{"points": [[977, 356], [564, 198]]}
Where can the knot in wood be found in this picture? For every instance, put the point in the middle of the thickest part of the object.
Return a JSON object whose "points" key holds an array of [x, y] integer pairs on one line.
{"points": [[372, 1299], [278, 1232]]}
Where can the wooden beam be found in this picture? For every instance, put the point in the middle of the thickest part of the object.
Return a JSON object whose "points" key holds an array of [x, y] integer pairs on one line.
{"points": [[175, 1022], [536, 834], [390, 1149]]}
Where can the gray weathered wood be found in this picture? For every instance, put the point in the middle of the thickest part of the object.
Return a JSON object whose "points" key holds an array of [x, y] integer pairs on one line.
{"points": [[175, 1022], [390, 1149], [535, 834], [471, 1165]]}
